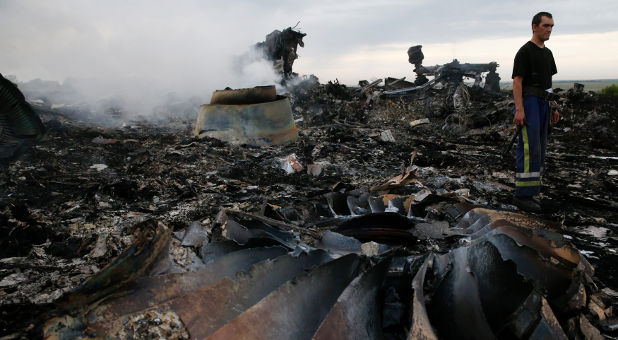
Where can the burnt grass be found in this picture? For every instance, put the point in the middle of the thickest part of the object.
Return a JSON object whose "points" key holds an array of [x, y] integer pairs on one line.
{"points": [[56, 208]]}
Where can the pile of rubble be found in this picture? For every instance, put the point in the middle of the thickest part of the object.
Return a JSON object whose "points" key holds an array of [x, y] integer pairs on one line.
{"points": [[389, 217]]}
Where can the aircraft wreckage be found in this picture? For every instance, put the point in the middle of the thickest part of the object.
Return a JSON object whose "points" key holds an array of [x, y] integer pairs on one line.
{"points": [[284, 227], [280, 47], [508, 276]]}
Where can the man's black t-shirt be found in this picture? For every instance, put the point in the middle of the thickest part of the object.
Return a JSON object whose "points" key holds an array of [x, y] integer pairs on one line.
{"points": [[535, 64]]}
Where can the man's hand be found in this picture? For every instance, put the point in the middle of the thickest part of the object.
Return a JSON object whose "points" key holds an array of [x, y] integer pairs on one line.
{"points": [[555, 117], [520, 117]]}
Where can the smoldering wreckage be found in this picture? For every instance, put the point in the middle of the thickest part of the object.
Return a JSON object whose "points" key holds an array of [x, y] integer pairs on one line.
{"points": [[322, 211]]}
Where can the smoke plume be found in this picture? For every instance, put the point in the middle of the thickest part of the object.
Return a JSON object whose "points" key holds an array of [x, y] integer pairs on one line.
{"points": [[134, 55]]}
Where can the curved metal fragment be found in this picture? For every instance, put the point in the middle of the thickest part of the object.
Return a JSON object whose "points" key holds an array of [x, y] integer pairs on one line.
{"points": [[502, 289], [534, 319], [545, 273], [156, 290], [194, 236], [338, 203], [525, 230], [540, 254], [488, 288], [356, 315], [386, 228], [479, 218], [20, 126], [151, 244], [254, 95], [17, 113], [154, 293], [506, 282], [339, 243], [420, 327], [207, 309], [244, 228], [212, 251], [358, 205], [257, 124], [455, 308], [296, 309]]}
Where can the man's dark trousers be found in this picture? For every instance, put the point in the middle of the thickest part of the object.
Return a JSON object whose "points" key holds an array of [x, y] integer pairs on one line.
{"points": [[530, 152]]}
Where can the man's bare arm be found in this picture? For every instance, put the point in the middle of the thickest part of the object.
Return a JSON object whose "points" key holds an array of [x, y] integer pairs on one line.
{"points": [[520, 116]]}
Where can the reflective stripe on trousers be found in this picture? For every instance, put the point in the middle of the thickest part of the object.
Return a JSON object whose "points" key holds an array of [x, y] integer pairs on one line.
{"points": [[531, 147]]}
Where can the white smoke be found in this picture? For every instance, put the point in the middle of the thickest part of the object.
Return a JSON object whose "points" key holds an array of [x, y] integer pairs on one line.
{"points": [[137, 54]]}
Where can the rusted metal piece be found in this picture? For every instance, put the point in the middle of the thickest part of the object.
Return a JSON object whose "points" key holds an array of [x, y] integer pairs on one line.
{"points": [[488, 288], [420, 327], [356, 315], [207, 309], [156, 290], [64, 327], [296, 309], [255, 95], [155, 293], [548, 327], [539, 254], [255, 123], [151, 245], [506, 283], [480, 218]]}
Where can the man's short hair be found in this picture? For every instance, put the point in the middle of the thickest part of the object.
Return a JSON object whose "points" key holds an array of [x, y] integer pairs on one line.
{"points": [[536, 19]]}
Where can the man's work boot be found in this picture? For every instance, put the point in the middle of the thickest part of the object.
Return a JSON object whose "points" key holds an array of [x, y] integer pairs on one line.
{"points": [[526, 203]]}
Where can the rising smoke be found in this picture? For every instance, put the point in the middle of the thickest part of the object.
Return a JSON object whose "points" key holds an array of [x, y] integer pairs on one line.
{"points": [[136, 56]]}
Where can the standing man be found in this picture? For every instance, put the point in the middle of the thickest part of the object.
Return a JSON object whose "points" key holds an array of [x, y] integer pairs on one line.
{"points": [[532, 87]]}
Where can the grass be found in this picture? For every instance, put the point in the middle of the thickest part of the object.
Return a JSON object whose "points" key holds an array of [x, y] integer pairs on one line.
{"points": [[589, 85]]}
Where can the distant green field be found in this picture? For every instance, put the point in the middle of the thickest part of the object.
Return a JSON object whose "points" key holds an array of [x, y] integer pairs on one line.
{"points": [[589, 85]]}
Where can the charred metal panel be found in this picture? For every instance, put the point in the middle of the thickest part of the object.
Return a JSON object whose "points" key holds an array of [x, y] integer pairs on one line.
{"points": [[255, 95], [263, 123], [20, 126], [242, 228], [488, 289], [421, 327], [296, 309], [156, 290], [210, 308], [455, 308], [356, 315], [151, 244], [386, 228]]}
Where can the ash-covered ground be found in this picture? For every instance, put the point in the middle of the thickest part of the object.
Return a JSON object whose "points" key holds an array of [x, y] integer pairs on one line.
{"points": [[70, 203]]}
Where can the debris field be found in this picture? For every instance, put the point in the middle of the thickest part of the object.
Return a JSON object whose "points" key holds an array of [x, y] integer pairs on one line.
{"points": [[389, 216]]}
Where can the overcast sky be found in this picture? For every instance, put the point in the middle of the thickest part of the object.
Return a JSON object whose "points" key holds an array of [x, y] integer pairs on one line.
{"points": [[191, 45]]}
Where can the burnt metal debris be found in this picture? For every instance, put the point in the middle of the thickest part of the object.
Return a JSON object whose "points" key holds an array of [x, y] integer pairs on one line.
{"points": [[449, 78], [254, 116], [20, 126], [453, 73], [280, 48], [378, 221]]}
